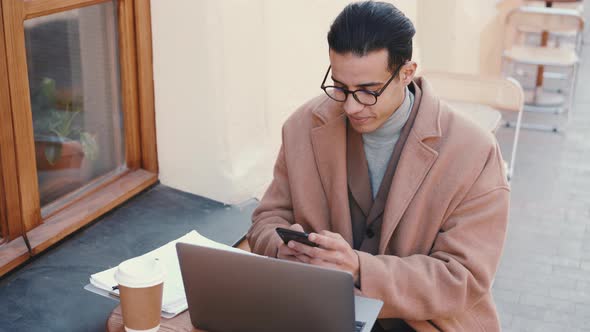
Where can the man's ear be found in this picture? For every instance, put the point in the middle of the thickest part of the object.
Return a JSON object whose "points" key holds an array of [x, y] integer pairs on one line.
{"points": [[407, 72]]}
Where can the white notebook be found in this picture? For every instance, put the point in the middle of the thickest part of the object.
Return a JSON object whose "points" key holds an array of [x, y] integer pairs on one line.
{"points": [[174, 299]]}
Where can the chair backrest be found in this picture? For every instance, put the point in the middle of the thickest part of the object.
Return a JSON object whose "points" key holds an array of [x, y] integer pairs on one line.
{"points": [[537, 19], [549, 19], [577, 5], [505, 94]]}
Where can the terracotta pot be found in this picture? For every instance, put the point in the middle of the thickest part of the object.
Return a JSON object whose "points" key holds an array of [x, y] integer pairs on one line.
{"points": [[71, 155]]}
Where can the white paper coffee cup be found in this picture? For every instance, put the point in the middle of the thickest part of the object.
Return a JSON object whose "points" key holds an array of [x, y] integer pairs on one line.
{"points": [[141, 284]]}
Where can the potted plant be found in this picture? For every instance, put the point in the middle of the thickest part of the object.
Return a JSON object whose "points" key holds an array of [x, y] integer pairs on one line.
{"points": [[60, 143]]}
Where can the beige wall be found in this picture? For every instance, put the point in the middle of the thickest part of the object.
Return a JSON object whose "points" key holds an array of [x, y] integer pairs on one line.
{"points": [[462, 35], [228, 73]]}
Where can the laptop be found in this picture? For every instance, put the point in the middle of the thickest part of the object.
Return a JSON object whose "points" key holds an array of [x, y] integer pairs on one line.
{"points": [[230, 291]]}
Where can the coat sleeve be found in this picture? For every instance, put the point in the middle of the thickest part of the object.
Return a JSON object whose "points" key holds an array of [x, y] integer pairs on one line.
{"points": [[463, 260], [275, 210]]}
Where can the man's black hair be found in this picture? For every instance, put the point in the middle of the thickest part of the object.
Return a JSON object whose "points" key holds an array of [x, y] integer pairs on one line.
{"points": [[363, 27]]}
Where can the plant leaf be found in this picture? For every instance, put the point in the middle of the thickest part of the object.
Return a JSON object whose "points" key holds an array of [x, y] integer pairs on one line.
{"points": [[52, 153], [48, 89], [89, 145], [57, 133], [67, 124]]}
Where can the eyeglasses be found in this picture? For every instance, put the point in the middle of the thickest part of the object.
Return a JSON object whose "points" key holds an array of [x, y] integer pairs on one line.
{"points": [[365, 97]]}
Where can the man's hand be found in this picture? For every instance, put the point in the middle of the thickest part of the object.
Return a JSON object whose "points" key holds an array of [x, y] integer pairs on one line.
{"points": [[334, 252], [287, 253]]}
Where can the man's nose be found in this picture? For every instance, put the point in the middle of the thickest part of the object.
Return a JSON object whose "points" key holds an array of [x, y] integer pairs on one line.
{"points": [[351, 106]]}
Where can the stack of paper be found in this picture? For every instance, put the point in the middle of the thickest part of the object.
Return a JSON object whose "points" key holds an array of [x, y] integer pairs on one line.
{"points": [[174, 299]]}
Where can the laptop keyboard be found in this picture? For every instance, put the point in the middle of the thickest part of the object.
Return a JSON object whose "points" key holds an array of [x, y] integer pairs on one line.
{"points": [[358, 326]]}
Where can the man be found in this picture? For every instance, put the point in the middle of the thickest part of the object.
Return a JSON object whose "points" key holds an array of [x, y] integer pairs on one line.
{"points": [[398, 190]]}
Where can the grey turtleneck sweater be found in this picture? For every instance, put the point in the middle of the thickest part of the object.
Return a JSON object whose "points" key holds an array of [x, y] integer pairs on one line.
{"points": [[379, 144]]}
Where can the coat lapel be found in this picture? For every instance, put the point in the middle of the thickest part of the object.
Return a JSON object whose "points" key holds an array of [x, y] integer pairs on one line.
{"points": [[416, 159], [414, 164], [329, 147], [358, 171]]}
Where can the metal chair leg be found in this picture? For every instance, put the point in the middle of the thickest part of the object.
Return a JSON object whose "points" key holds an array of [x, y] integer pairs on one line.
{"points": [[515, 145]]}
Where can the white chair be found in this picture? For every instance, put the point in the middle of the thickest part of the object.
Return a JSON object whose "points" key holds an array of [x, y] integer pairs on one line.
{"points": [[550, 20], [534, 36], [577, 5], [481, 99]]}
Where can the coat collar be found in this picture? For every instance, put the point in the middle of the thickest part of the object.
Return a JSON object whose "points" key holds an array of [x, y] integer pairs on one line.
{"points": [[427, 123], [329, 146]]}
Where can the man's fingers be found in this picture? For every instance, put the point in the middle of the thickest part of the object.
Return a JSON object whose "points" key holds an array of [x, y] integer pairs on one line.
{"points": [[331, 256], [296, 227], [304, 258], [317, 262], [331, 234], [300, 248], [283, 246], [323, 263], [285, 251], [326, 242], [291, 259]]}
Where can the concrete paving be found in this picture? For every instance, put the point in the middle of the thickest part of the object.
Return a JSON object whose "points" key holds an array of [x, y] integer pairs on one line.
{"points": [[543, 283]]}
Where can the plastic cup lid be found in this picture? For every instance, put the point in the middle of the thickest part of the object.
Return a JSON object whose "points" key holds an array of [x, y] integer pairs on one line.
{"points": [[139, 272]]}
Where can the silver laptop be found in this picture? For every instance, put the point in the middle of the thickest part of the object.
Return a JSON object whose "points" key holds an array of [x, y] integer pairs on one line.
{"points": [[228, 291]]}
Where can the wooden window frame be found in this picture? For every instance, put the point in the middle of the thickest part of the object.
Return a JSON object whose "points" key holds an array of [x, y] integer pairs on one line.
{"points": [[13, 247], [41, 227]]}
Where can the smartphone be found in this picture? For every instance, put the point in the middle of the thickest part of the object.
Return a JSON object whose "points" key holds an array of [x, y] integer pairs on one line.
{"points": [[291, 235]]}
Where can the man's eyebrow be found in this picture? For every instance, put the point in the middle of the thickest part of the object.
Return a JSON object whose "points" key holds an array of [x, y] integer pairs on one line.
{"points": [[362, 85]]}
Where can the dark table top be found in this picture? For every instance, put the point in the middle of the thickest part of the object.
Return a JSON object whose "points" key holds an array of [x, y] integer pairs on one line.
{"points": [[47, 293]]}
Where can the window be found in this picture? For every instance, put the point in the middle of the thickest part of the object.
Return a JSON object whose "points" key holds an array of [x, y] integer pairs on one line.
{"points": [[75, 97], [77, 107]]}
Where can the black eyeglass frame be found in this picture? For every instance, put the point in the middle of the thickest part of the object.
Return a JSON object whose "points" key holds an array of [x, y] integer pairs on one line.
{"points": [[346, 92]]}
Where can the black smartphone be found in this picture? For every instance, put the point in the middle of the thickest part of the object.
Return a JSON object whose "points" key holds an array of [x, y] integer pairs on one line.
{"points": [[291, 235]]}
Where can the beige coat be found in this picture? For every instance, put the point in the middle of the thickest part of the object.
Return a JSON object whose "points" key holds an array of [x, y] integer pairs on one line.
{"points": [[444, 222]]}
